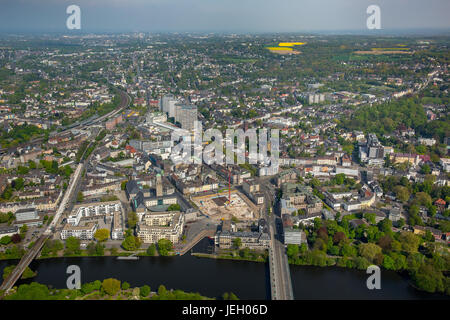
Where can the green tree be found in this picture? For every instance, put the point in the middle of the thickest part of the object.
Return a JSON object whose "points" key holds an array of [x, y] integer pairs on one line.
{"points": [[429, 279], [402, 193], [99, 249], [145, 291], [370, 217], [111, 286], [80, 197], [292, 250], [164, 246], [132, 219], [369, 251], [125, 285], [5, 240], [385, 226], [174, 207], [101, 235], [73, 246], [237, 243], [409, 241], [425, 169], [91, 248], [151, 250], [131, 243], [162, 290]]}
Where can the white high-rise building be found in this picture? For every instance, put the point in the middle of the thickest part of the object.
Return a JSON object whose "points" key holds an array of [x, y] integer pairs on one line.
{"points": [[167, 104], [186, 115]]}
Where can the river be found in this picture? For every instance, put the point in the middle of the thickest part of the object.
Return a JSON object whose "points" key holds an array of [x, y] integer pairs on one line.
{"points": [[211, 277]]}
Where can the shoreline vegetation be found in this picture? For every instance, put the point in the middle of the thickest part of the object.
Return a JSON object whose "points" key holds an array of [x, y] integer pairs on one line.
{"points": [[108, 289], [330, 243], [318, 258], [297, 255]]}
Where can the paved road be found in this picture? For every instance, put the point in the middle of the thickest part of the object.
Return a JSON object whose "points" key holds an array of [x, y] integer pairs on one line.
{"points": [[280, 276]]}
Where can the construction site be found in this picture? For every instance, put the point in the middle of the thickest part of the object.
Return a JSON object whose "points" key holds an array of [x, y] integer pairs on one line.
{"points": [[225, 205]]}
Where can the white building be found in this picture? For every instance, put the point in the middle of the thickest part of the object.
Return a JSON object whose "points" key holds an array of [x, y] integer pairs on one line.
{"points": [[445, 163], [85, 232], [161, 225]]}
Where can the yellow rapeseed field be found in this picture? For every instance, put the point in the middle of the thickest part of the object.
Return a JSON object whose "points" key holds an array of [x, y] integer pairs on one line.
{"points": [[290, 44]]}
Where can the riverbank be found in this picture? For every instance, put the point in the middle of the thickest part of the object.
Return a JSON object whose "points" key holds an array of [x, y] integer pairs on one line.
{"points": [[225, 257], [321, 260], [212, 277], [108, 289]]}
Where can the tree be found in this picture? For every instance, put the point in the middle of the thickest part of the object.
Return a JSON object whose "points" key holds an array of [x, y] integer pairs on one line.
{"points": [[32, 164], [237, 242], [22, 170], [385, 226], [409, 241], [425, 169], [125, 285], [144, 291], [423, 199], [91, 248], [348, 251], [369, 250], [229, 296], [370, 217], [174, 207], [131, 243], [73, 245], [18, 184], [164, 246], [132, 219], [89, 287], [413, 217], [15, 238], [339, 178], [322, 233], [151, 250], [388, 263], [339, 237], [402, 193], [429, 279], [111, 286], [315, 182], [23, 229], [162, 290], [99, 249], [292, 250], [385, 243], [101, 235], [5, 240], [80, 197]]}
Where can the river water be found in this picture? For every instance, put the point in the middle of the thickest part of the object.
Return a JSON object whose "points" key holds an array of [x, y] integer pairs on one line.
{"points": [[210, 277]]}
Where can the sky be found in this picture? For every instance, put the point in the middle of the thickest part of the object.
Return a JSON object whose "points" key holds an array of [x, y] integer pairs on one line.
{"points": [[230, 16]]}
